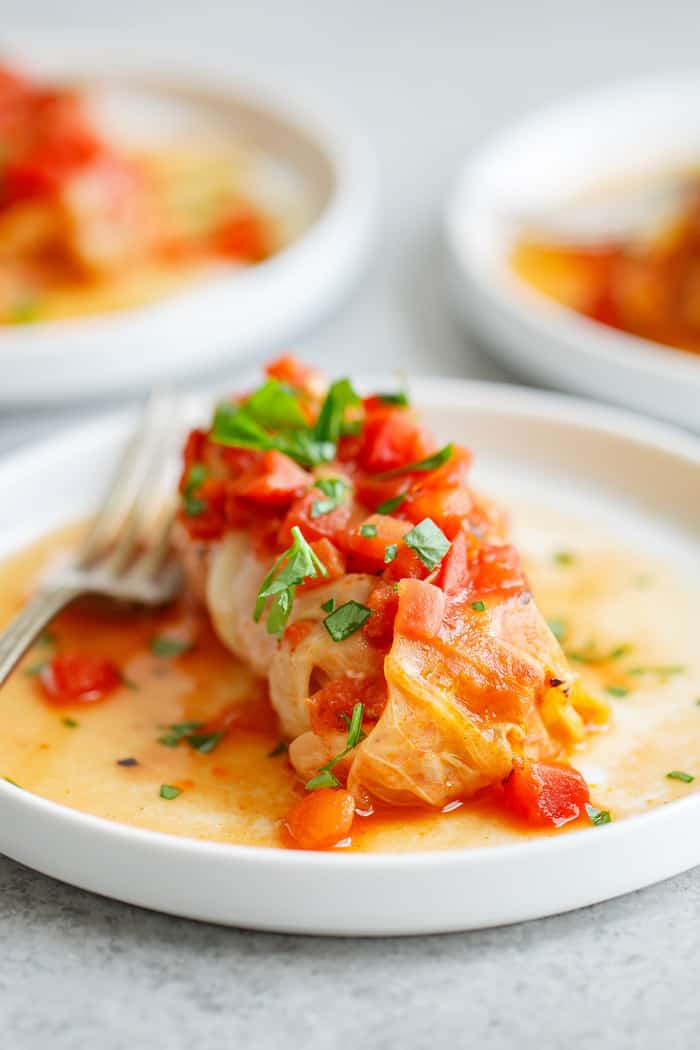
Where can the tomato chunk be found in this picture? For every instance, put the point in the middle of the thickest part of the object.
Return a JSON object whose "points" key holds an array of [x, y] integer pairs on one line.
{"points": [[392, 438], [546, 793], [367, 545], [79, 678], [421, 609], [243, 235], [331, 559], [289, 370], [379, 628], [340, 696], [322, 819], [332, 526], [279, 480]]}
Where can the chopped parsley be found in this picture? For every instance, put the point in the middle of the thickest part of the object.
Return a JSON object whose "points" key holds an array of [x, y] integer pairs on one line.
{"points": [[422, 465], [281, 749], [429, 542], [276, 405], [205, 742], [335, 490], [564, 558], [597, 816], [479, 606], [169, 792], [325, 776], [165, 647], [618, 651], [662, 670], [558, 627], [127, 762], [677, 774], [400, 399], [617, 690], [178, 731], [390, 505], [70, 723], [390, 552], [236, 427], [346, 619], [329, 424], [295, 565], [329, 605], [191, 503], [368, 530]]}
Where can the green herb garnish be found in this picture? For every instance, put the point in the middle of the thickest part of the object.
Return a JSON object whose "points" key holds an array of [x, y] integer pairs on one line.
{"points": [[677, 774], [479, 606], [429, 542], [178, 731], [70, 723], [369, 530], [329, 424], [564, 558], [597, 816], [335, 490], [325, 776], [617, 690], [291, 568], [558, 627], [234, 427], [205, 742], [329, 605], [169, 792], [662, 670], [390, 552], [281, 749], [400, 399], [191, 503], [276, 406], [346, 619], [429, 463], [166, 647], [390, 505]]}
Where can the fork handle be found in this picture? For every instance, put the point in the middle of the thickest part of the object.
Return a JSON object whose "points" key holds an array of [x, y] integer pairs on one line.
{"points": [[21, 632]]}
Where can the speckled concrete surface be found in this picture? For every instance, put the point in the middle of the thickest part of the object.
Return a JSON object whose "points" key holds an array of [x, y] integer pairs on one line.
{"points": [[426, 80], [80, 972]]}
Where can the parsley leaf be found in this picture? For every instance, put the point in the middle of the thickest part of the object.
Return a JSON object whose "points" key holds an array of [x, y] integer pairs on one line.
{"points": [[617, 690], [167, 791], [677, 774], [400, 399], [429, 463], [329, 424], [325, 776], [165, 647], [276, 406], [564, 558], [369, 530], [429, 542], [597, 816], [346, 619], [178, 731], [70, 723], [390, 552], [329, 605], [390, 505], [479, 606], [292, 567], [335, 489], [233, 426], [205, 742]]}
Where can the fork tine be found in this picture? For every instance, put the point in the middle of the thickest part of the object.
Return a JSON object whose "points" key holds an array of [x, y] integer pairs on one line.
{"points": [[115, 505], [145, 504]]}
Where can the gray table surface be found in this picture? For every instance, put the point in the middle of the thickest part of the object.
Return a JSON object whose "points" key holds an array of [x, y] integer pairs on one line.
{"points": [[427, 81]]}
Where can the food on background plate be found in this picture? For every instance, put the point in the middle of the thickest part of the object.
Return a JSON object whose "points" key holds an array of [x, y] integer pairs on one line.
{"points": [[88, 225], [360, 659], [648, 287]]}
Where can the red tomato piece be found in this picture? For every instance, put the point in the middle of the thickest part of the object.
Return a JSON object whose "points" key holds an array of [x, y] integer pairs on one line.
{"points": [[367, 553], [546, 793], [277, 481], [243, 235], [331, 526], [421, 609], [332, 560], [379, 628], [339, 697], [454, 574], [392, 438], [496, 568], [295, 633], [79, 678], [322, 819], [290, 370], [449, 508]]}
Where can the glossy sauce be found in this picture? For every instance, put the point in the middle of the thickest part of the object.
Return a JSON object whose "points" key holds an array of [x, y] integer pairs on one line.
{"points": [[621, 614]]}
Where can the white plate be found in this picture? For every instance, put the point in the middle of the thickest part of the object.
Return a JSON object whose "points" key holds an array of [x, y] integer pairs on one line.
{"points": [[609, 463], [306, 158], [630, 128]]}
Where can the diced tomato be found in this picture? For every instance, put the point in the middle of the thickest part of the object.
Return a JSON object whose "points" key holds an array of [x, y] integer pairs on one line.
{"points": [[331, 526], [211, 518], [421, 609], [295, 633], [79, 678], [454, 471], [449, 508], [322, 819], [243, 235], [367, 553], [339, 697], [384, 602], [496, 568], [289, 370], [332, 560], [454, 574], [392, 438], [373, 491], [546, 793], [277, 482]]}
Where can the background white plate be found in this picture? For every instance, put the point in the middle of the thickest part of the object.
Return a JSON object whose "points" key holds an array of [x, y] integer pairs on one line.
{"points": [[630, 128], [306, 156], [640, 478]]}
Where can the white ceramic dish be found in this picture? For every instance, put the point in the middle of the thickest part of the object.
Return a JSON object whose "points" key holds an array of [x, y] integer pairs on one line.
{"points": [[631, 128], [611, 464], [307, 160]]}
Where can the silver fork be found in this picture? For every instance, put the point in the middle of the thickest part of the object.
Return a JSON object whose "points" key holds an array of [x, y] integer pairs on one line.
{"points": [[126, 553]]}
